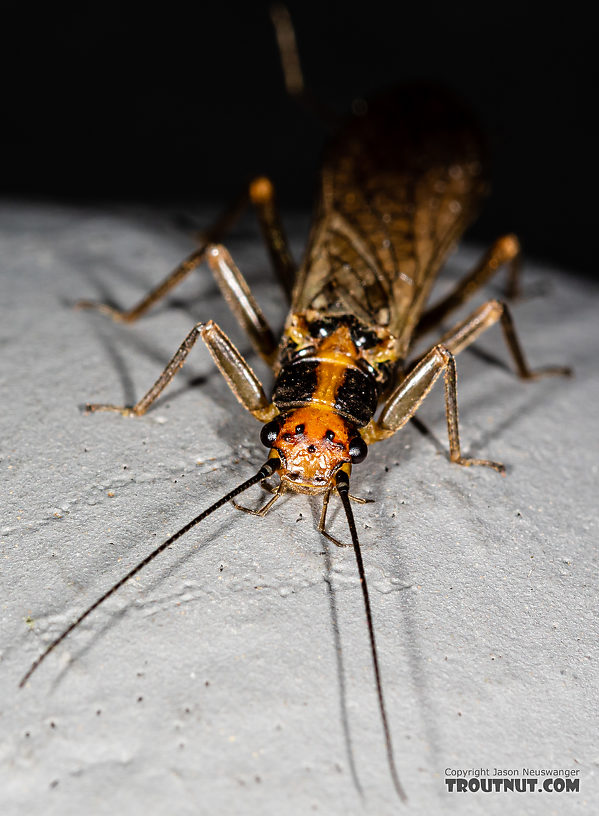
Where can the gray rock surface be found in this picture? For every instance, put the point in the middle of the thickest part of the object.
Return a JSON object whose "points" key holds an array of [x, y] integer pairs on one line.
{"points": [[234, 675]]}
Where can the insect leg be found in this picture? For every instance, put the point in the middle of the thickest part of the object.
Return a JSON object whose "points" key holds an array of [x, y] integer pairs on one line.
{"points": [[236, 371], [483, 318], [358, 500], [277, 492], [262, 196], [410, 393], [242, 303], [323, 518], [233, 285], [213, 234], [506, 250]]}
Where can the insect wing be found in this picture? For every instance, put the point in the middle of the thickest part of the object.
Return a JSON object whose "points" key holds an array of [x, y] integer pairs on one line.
{"points": [[399, 186]]}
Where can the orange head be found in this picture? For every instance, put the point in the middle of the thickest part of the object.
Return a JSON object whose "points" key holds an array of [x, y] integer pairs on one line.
{"points": [[313, 444]]}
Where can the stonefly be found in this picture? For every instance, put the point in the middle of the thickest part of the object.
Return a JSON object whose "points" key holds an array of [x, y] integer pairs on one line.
{"points": [[399, 184]]}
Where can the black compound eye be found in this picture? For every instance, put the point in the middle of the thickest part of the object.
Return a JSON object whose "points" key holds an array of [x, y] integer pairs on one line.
{"points": [[269, 433], [299, 429], [330, 435], [358, 450]]}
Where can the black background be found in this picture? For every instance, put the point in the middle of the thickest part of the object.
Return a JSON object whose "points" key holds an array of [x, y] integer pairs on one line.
{"points": [[184, 103]]}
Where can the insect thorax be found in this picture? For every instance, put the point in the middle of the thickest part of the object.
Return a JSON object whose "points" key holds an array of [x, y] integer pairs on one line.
{"points": [[333, 362]]}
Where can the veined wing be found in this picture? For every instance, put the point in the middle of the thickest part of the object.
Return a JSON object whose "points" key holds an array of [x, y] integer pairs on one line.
{"points": [[399, 186]]}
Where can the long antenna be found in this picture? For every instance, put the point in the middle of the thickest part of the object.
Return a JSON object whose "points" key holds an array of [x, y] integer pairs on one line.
{"points": [[267, 469], [342, 480]]}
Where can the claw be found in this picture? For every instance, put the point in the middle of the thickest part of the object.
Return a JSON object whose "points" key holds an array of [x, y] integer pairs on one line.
{"points": [[551, 371], [124, 410], [110, 311], [466, 461]]}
